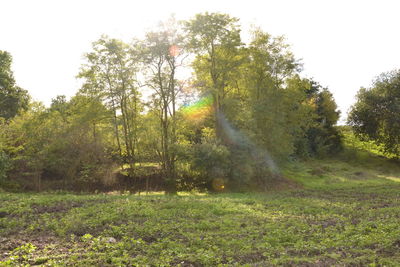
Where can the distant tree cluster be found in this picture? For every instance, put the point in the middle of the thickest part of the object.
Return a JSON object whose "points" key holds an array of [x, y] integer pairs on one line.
{"points": [[244, 110], [375, 115]]}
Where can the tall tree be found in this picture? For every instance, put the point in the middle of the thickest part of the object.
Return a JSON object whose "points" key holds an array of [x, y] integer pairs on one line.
{"points": [[12, 97], [274, 95], [162, 52], [323, 137], [215, 38], [110, 75]]}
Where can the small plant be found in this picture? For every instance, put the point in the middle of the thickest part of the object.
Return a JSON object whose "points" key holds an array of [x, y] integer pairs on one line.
{"points": [[21, 255]]}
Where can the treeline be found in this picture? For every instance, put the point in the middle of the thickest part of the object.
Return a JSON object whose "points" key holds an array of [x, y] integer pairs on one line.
{"points": [[243, 111]]}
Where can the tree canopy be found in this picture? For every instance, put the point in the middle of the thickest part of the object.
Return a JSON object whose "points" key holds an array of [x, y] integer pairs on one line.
{"points": [[13, 98], [375, 115], [140, 121]]}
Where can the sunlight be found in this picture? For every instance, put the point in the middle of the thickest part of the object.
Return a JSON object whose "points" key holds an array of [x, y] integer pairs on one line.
{"points": [[391, 178]]}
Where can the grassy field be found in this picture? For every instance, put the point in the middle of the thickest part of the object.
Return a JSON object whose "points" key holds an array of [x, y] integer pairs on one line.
{"points": [[341, 213]]}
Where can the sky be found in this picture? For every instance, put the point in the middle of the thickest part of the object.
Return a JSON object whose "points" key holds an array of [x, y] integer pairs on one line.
{"points": [[343, 45]]}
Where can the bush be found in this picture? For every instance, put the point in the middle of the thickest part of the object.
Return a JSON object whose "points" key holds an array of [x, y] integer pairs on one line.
{"points": [[211, 161], [5, 165]]}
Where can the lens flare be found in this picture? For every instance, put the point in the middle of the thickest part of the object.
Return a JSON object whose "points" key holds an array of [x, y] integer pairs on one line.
{"points": [[174, 50], [199, 110], [238, 138], [218, 184]]}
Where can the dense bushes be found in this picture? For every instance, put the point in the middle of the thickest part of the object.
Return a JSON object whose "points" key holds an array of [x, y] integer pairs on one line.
{"points": [[57, 144]]}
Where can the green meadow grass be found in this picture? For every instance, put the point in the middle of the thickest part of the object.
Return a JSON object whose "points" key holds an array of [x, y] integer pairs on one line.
{"points": [[343, 215], [344, 211]]}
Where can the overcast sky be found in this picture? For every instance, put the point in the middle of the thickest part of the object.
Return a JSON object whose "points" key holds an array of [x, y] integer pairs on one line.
{"points": [[342, 44]]}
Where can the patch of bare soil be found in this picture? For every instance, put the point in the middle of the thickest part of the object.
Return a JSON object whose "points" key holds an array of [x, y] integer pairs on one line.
{"points": [[41, 242], [64, 206], [359, 176], [59, 207], [283, 183], [391, 250]]}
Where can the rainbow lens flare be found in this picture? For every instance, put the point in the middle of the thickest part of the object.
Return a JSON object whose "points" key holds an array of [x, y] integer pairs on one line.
{"points": [[199, 110]]}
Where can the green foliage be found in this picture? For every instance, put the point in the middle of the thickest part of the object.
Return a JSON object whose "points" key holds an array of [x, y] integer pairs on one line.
{"points": [[4, 165], [208, 30], [161, 53], [211, 160], [13, 99], [280, 118], [259, 91], [61, 143], [374, 116], [353, 143], [259, 113], [21, 255], [323, 138], [216, 40], [110, 77]]}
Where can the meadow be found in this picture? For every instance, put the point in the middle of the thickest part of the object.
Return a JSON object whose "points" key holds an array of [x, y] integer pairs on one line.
{"points": [[336, 212]]}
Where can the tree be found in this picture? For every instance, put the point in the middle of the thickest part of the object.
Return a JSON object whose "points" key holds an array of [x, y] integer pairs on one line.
{"points": [[323, 137], [273, 95], [26, 140], [4, 159], [215, 38], [110, 75], [13, 99], [162, 51], [375, 115]]}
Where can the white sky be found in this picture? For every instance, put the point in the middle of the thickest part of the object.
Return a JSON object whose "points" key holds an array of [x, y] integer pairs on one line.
{"points": [[342, 44]]}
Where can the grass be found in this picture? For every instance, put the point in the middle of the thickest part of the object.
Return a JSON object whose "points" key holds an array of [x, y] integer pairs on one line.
{"points": [[348, 221], [368, 148], [345, 212]]}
